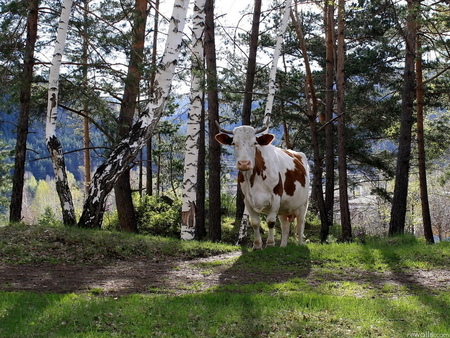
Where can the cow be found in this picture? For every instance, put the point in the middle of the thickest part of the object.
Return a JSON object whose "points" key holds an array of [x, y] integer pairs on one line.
{"points": [[273, 181]]}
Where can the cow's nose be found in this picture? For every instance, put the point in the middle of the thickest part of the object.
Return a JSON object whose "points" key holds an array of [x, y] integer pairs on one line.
{"points": [[243, 165]]}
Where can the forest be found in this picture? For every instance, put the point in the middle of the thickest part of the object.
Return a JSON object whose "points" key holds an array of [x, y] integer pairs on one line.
{"points": [[108, 112]]}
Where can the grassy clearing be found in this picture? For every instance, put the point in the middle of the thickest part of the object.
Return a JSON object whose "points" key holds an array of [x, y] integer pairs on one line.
{"points": [[295, 307], [25, 244], [273, 311]]}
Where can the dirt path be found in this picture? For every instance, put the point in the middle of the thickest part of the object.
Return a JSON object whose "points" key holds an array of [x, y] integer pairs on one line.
{"points": [[190, 276]]}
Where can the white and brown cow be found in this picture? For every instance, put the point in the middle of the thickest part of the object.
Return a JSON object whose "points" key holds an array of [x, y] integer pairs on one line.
{"points": [[273, 181]]}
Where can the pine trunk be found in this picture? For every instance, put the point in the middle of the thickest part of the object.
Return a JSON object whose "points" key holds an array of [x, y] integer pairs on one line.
{"points": [[24, 112], [123, 154], [426, 215], [215, 226], [329, 132], [399, 202], [342, 144], [122, 189], [200, 230], [188, 211], [241, 219], [53, 144]]}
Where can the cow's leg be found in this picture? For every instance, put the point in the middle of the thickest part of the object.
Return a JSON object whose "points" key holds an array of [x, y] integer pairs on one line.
{"points": [[301, 223], [285, 227], [271, 218], [254, 218]]}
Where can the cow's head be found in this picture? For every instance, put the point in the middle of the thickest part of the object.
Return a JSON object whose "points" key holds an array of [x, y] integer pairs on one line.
{"points": [[245, 143]]}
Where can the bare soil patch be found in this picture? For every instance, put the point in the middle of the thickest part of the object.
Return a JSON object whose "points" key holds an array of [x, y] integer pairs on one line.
{"points": [[190, 276]]}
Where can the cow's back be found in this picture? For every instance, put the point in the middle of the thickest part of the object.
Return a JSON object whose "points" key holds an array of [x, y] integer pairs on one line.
{"points": [[278, 172]]}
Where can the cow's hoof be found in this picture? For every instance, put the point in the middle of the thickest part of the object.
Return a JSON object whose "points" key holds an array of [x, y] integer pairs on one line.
{"points": [[270, 244]]}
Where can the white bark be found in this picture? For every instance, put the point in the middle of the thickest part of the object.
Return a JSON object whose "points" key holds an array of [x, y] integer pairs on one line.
{"points": [[53, 144], [106, 175], [193, 124], [276, 55]]}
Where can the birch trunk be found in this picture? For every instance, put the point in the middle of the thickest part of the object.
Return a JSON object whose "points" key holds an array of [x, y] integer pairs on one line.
{"points": [[53, 144], [188, 212], [107, 174], [276, 55]]}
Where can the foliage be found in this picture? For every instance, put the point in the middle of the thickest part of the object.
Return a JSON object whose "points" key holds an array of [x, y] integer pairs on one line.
{"points": [[48, 218], [5, 178], [159, 216]]}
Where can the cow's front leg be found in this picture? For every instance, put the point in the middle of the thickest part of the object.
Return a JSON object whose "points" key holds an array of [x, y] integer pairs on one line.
{"points": [[254, 219], [271, 225]]}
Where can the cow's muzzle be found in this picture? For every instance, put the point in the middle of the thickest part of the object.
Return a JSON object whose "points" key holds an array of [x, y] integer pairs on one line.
{"points": [[244, 165]]}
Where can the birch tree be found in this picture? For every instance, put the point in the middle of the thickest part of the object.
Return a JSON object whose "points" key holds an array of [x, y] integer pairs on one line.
{"points": [[276, 55], [53, 144], [124, 153], [188, 215]]}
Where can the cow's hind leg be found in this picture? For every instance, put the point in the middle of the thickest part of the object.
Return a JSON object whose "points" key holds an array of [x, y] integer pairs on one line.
{"points": [[301, 223], [285, 228]]}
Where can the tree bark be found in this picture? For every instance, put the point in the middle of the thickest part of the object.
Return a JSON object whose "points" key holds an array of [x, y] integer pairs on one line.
{"points": [[201, 186], [399, 201], [53, 144], [123, 154], [86, 131], [215, 226], [276, 55], [329, 132], [24, 113], [248, 99], [426, 215], [122, 189], [149, 184], [188, 213], [342, 144]]}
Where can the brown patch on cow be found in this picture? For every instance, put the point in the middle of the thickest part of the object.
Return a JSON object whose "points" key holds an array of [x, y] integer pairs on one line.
{"points": [[240, 180], [278, 189], [258, 168], [298, 174]]}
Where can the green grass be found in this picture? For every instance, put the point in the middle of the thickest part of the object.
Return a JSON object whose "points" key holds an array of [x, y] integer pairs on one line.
{"points": [[271, 312], [28, 244], [332, 304]]}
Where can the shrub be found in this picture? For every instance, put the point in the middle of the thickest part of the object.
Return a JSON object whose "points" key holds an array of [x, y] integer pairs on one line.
{"points": [[159, 216], [48, 218]]}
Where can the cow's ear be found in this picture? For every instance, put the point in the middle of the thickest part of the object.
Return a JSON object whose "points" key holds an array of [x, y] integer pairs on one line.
{"points": [[224, 139], [265, 139]]}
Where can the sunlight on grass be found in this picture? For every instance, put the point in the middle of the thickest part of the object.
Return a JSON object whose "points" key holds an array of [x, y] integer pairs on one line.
{"points": [[268, 313], [336, 290]]}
